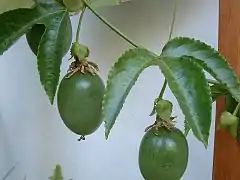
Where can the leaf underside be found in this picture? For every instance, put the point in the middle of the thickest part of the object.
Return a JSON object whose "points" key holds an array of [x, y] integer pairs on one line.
{"points": [[7, 5], [186, 128], [211, 60], [217, 91], [188, 83], [16, 23], [121, 79], [53, 45], [186, 80]]}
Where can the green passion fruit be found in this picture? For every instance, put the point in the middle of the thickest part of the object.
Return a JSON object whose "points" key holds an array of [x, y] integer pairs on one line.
{"points": [[163, 154], [79, 101]]}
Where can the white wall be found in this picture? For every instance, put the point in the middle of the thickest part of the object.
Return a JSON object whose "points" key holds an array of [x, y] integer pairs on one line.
{"points": [[31, 131]]}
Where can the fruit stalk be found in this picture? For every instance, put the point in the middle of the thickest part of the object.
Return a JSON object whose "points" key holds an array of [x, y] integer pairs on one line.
{"points": [[169, 38], [79, 24], [110, 25], [236, 109]]}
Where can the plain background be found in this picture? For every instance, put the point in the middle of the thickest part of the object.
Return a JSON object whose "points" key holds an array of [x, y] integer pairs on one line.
{"points": [[31, 131]]}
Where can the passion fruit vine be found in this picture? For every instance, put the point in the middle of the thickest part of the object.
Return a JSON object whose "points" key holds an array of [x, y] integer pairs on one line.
{"points": [[163, 152], [80, 97]]}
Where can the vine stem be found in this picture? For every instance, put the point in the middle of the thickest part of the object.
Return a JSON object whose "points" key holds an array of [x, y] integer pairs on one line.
{"points": [[169, 38], [79, 24], [213, 82], [236, 109], [88, 5]]}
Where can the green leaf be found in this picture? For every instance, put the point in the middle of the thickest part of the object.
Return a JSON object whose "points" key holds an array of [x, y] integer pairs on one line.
{"points": [[185, 78], [54, 43], [121, 79], [186, 128], [211, 60], [16, 23], [7, 5], [217, 91], [189, 85], [57, 173], [101, 3]]}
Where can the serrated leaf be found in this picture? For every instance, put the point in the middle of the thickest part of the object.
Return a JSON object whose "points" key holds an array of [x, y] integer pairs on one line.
{"points": [[211, 60], [121, 79], [16, 23], [57, 173], [7, 5], [189, 85], [101, 3], [55, 41], [186, 127], [185, 78], [217, 91]]}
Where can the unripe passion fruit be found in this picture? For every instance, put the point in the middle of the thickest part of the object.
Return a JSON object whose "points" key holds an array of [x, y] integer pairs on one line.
{"points": [[79, 102], [163, 154]]}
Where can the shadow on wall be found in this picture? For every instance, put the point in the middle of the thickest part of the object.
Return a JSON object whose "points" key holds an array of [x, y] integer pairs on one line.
{"points": [[5, 150]]}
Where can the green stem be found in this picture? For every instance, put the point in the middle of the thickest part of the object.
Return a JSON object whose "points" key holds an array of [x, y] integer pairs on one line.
{"points": [[173, 20], [162, 90], [79, 24], [236, 109], [110, 25], [213, 82], [169, 38]]}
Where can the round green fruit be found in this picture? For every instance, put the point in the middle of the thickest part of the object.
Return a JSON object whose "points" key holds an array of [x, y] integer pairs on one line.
{"points": [[73, 5], [163, 154], [79, 100]]}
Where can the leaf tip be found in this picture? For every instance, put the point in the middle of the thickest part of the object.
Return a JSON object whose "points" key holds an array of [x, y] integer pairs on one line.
{"points": [[107, 133], [205, 143]]}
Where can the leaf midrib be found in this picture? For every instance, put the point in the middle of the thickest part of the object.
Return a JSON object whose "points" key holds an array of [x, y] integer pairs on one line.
{"points": [[14, 36], [181, 90]]}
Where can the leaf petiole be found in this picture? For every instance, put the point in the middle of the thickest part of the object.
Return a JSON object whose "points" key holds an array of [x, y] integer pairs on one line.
{"points": [[236, 109], [213, 82]]}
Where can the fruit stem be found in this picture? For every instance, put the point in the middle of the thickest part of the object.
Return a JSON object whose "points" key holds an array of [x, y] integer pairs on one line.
{"points": [[162, 90], [236, 109], [110, 25], [79, 24], [169, 38]]}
